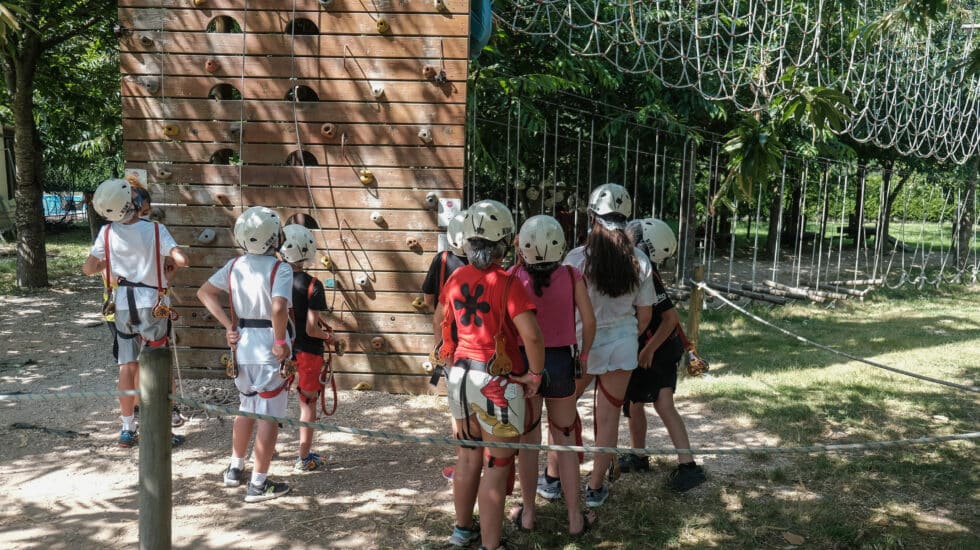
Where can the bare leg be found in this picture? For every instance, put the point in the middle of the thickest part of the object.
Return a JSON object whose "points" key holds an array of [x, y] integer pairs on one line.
{"points": [[307, 413], [674, 423], [528, 465], [241, 432], [562, 412], [265, 445], [638, 425], [466, 479], [607, 422], [493, 487], [128, 375], [580, 385]]}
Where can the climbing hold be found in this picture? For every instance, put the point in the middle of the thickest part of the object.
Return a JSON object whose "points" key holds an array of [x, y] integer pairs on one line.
{"points": [[363, 386], [149, 83], [328, 130], [211, 65], [428, 367], [377, 343], [199, 3], [326, 3], [206, 236], [431, 200], [425, 134], [146, 40], [235, 129], [377, 91], [326, 263], [418, 303], [362, 280], [164, 174], [377, 218], [367, 176], [171, 131], [383, 25], [440, 5], [429, 72], [413, 243], [340, 346], [120, 31], [330, 283], [441, 78]]}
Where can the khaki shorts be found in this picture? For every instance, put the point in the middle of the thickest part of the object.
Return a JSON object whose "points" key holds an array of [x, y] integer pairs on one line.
{"points": [[261, 378], [497, 402], [130, 338]]}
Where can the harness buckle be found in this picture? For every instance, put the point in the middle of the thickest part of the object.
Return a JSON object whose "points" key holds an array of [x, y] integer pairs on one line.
{"points": [[287, 369], [228, 362], [500, 364]]}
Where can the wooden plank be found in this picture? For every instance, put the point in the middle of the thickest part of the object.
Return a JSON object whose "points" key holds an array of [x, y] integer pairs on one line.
{"points": [[233, 133], [382, 241], [391, 383], [295, 196], [392, 344], [323, 69], [336, 177], [352, 112], [393, 281], [377, 302], [143, 20], [428, 49], [355, 261], [359, 156], [398, 220], [387, 323], [382, 6]]}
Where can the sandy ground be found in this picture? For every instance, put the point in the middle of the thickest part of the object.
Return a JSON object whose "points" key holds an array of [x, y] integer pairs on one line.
{"points": [[81, 492]]}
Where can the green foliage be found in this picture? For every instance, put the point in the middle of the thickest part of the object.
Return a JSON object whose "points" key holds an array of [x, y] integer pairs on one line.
{"points": [[754, 154]]}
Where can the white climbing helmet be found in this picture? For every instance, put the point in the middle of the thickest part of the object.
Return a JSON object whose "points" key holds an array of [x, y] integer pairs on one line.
{"points": [[541, 240], [257, 230], [611, 198], [489, 220], [297, 245], [113, 200], [656, 236], [454, 234]]}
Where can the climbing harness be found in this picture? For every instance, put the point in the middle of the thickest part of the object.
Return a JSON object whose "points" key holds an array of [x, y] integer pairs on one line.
{"points": [[230, 364]]}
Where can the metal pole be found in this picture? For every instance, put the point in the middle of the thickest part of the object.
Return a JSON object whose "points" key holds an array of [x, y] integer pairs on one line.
{"points": [[697, 300], [156, 484]]}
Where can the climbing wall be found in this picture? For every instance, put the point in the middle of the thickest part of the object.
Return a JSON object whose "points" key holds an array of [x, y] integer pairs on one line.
{"points": [[350, 112]]}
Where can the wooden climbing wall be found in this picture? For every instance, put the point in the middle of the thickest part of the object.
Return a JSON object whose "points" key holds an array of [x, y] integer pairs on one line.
{"points": [[208, 154]]}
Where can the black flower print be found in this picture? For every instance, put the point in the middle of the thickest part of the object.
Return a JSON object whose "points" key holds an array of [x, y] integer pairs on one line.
{"points": [[471, 305]]}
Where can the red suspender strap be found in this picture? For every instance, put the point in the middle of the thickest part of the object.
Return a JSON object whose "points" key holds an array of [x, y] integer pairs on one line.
{"points": [[272, 279], [571, 280], [442, 269], [156, 238], [309, 291], [108, 262], [231, 299]]}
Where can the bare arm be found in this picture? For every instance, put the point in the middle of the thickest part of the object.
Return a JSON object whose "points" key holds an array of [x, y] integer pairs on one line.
{"points": [[93, 266], [313, 325], [585, 312], [643, 316], [437, 317], [527, 326], [280, 316], [430, 300], [180, 257], [210, 297]]}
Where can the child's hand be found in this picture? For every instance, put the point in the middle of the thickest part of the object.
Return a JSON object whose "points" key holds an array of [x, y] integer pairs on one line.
{"points": [[231, 336], [281, 351], [646, 357]]}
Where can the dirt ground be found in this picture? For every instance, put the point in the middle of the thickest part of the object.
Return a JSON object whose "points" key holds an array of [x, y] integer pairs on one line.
{"points": [[81, 492]]}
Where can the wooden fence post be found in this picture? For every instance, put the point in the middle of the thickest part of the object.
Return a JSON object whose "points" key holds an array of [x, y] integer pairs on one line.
{"points": [[697, 300], [156, 483]]}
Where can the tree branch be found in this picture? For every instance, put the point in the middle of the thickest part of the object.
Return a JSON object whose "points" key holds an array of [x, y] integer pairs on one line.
{"points": [[68, 34]]}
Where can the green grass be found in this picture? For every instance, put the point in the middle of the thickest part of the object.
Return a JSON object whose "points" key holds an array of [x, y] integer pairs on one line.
{"points": [[66, 251]]}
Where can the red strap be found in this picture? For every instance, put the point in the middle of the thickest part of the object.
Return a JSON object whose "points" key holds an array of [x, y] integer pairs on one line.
{"points": [[272, 393], [156, 238], [442, 269], [571, 279], [272, 279], [108, 262], [309, 291], [231, 300]]}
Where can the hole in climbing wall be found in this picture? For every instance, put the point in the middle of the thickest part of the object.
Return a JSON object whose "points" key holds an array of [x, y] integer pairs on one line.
{"points": [[305, 220], [301, 158], [301, 93], [224, 24], [224, 157], [301, 26], [223, 92]]}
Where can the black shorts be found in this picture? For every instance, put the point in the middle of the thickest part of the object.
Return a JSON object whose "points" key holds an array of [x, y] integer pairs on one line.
{"points": [[559, 372], [645, 384]]}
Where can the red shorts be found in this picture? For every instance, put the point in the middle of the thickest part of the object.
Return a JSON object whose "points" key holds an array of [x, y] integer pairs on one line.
{"points": [[308, 367]]}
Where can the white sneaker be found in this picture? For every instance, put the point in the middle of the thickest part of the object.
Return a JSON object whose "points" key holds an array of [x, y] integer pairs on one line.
{"points": [[549, 490]]}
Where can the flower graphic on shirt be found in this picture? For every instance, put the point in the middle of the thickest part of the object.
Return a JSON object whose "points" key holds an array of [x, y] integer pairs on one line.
{"points": [[471, 305]]}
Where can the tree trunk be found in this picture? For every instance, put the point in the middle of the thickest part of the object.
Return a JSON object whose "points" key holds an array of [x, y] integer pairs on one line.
{"points": [[884, 213], [791, 223], [775, 205], [32, 265], [855, 226], [966, 221]]}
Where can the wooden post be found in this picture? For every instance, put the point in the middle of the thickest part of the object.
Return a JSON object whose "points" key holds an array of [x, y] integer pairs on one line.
{"points": [[697, 300], [156, 489]]}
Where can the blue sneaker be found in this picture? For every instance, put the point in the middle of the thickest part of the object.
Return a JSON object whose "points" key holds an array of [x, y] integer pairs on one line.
{"points": [[128, 439], [596, 497], [312, 462], [464, 537]]}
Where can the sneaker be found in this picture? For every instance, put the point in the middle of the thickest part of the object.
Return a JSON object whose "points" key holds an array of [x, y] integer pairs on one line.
{"points": [[234, 477], [596, 497], [128, 439], [177, 440], [312, 462], [176, 420], [613, 472], [448, 472], [633, 463], [685, 478], [549, 490], [464, 537], [267, 491]]}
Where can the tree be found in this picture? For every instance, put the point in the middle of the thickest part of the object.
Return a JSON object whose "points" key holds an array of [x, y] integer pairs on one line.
{"points": [[42, 28]]}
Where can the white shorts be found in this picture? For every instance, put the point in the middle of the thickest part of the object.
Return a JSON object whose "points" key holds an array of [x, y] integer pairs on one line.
{"points": [[614, 348], [497, 402], [130, 338], [252, 379]]}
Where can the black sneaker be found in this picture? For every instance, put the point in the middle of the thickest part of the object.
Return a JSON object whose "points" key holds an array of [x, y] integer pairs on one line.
{"points": [[685, 478], [633, 463], [267, 491], [176, 420], [234, 477]]}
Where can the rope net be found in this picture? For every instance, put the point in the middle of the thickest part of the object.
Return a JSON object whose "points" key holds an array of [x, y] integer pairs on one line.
{"points": [[909, 89]]}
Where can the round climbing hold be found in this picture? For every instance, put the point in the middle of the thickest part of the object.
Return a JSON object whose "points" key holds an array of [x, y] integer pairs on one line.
{"points": [[362, 280], [146, 40], [377, 218], [326, 3], [413, 243], [429, 72], [418, 303], [211, 65], [431, 199], [206, 236], [199, 3], [378, 91], [383, 26], [440, 5], [328, 130], [366, 176], [164, 174], [326, 262], [171, 131], [377, 343], [425, 134]]}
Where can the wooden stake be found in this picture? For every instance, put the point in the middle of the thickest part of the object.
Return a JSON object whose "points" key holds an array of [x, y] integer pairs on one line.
{"points": [[156, 485]]}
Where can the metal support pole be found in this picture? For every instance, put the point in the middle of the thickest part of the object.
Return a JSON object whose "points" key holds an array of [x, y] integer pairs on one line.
{"points": [[156, 485], [697, 301]]}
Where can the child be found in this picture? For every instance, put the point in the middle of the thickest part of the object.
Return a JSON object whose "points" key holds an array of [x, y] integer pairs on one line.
{"points": [[309, 301], [260, 291], [656, 379], [129, 253], [558, 292]]}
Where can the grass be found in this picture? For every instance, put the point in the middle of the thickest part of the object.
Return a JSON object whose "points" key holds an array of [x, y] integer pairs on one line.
{"points": [[66, 249]]}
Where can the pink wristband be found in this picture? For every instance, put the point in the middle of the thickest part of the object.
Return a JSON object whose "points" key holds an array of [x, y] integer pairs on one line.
{"points": [[280, 342]]}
